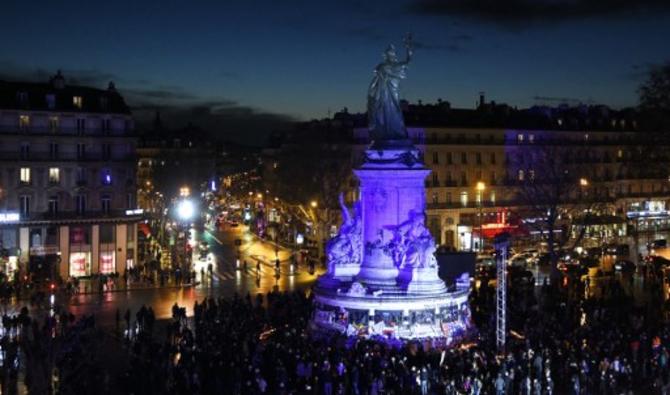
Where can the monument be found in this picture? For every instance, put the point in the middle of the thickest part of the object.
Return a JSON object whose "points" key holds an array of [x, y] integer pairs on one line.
{"points": [[382, 276]]}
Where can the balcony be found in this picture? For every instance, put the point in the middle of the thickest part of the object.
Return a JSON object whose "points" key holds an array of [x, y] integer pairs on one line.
{"points": [[13, 156], [61, 131]]}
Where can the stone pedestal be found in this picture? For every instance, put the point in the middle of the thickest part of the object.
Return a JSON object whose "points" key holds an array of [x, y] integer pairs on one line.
{"points": [[382, 277], [392, 187]]}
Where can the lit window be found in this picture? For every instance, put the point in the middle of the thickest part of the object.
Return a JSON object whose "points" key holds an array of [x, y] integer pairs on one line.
{"points": [[24, 122], [586, 137], [531, 138], [520, 175], [519, 138], [106, 177], [493, 197], [464, 199], [619, 154], [25, 175], [77, 102], [54, 175], [531, 174]]}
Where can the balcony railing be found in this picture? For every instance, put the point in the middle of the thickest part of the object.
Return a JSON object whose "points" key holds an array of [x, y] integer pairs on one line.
{"points": [[63, 131]]}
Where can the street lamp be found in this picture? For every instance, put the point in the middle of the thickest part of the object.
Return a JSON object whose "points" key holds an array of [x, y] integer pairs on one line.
{"points": [[480, 192], [185, 210], [313, 203]]}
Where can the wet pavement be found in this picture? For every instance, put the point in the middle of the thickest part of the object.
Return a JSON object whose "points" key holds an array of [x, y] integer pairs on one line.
{"points": [[225, 281]]}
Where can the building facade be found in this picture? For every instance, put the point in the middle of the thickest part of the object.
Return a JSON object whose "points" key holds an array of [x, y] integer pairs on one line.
{"points": [[482, 176], [67, 173]]}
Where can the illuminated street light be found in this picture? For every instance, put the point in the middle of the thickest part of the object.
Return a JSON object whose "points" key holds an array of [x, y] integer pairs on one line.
{"points": [[583, 182], [259, 195], [185, 210], [184, 191], [313, 203]]}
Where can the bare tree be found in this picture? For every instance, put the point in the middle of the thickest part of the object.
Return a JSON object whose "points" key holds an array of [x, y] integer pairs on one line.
{"points": [[553, 190]]}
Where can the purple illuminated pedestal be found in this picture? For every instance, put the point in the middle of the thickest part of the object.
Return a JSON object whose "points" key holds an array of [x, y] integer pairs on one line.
{"points": [[382, 273]]}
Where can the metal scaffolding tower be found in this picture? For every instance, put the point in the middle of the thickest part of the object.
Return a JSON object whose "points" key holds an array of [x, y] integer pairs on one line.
{"points": [[502, 248]]}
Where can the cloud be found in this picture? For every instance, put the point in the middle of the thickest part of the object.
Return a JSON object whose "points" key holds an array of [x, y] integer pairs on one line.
{"points": [[639, 72], [453, 47], [516, 13]]}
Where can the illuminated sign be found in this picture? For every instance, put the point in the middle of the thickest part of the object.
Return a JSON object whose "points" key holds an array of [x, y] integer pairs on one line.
{"points": [[137, 211], [646, 213], [9, 217]]}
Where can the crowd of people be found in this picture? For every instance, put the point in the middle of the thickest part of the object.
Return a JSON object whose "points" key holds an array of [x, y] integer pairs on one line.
{"points": [[558, 343]]}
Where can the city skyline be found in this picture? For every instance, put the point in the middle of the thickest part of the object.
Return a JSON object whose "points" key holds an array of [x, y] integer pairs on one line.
{"points": [[238, 69]]}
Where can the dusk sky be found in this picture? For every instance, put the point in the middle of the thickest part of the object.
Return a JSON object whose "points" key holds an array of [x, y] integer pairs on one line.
{"points": [[257, 62]]}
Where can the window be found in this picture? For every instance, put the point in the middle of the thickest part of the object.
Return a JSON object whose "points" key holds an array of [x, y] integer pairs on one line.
{"points": [[53, 124], [435, 181], [53, 150], [478, 197], [77, 102], [464, 199], [435, 198], [464, 157], [520, 175], [493, 197], [586, 137], [106, 125], [25, 150], [81, 176], [51, 101], [81, 125], [478, 158], [619, 154], [479, 175], [449, 197], [106, 177], [105, 203], [493, 177], [531, 138], [106, 151], [519, 138], [80, 202], [24, 201], [449, 158], [464, 178], [25, 175], [130, 200], [81, 151], [493, 158], [478, 137], [24, 122], [22, 98], [54, 175], [53, 204], [435, 158], [531, 174], [449, 179]]}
